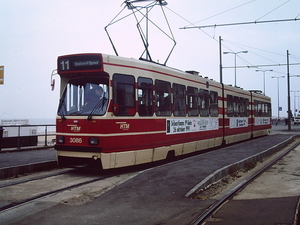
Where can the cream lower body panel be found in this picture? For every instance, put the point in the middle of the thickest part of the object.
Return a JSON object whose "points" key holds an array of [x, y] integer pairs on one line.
{"points": [[237, 137], [259, 133], [130, 158]]}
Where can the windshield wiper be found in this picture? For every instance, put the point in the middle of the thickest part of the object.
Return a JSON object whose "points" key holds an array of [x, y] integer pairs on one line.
{"points": [[98, 108], [60, 108]]}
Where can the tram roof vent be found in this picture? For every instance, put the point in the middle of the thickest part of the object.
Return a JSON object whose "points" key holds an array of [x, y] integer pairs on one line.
{"points": [[193, 72], [256, 91]]}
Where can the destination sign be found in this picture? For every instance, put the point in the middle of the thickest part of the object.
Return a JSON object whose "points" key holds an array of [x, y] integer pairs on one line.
{"points": [[79, 63]]}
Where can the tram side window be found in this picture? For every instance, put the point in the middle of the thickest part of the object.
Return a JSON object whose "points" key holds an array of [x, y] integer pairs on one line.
{"points": [[263, 109], [163, 98], [247, 107], [266, 111], [242, 107], [204, 102], [192, 101], [236, 110], [123, 95], [145, 96], [179, 100], [269, 110], [259, 109], [214, 103], [255, 108], [230, 105]]}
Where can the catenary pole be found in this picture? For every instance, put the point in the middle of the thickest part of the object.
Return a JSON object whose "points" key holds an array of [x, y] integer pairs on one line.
{"points": [[288, 87]]}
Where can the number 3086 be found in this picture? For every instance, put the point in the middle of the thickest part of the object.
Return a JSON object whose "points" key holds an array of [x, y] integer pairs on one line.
{"points": [[76, 140]]}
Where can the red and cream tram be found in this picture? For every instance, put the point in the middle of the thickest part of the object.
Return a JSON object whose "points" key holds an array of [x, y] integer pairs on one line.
{"points": [[116, 112]]}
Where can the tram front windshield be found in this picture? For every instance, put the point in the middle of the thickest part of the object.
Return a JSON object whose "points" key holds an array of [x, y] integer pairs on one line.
{"points": [[84, 97]]}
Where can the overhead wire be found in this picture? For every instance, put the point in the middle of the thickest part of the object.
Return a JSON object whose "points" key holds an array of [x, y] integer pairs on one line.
{"points": [[273, 10], [248, 64], [247, 46], [292, 56], [244, 23], [228, 10], [189, 22]]}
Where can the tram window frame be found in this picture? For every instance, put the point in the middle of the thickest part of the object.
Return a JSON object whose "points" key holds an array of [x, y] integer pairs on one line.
{"points": [[213, 105], [192, 95], [145, 96], [230, 106], [163, 98], [124, 95], [179, 99], [204, 102]]}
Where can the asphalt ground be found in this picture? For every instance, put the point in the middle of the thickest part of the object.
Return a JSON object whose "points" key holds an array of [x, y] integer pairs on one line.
{"points": [[159, 195]]}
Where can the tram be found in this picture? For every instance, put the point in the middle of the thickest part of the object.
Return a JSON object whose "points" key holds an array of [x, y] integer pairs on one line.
{"points": [[116, 112]]}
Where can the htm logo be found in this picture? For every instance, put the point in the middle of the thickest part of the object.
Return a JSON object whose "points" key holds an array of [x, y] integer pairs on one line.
{"points": [[75, 128], [123, 125]]}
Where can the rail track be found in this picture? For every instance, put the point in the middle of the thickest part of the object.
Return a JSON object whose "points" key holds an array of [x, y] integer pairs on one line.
{"points": [[221, 202], [12, 183], [43, 186]]}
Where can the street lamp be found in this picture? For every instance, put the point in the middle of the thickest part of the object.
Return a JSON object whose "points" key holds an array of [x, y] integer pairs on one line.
{"points": [[278, 91], [235, 53], [295, 102], [264, 71]]}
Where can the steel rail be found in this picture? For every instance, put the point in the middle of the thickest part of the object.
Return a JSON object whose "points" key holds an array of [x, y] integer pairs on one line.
{"points": [[36, 178], [47, 194], [226, 197]]}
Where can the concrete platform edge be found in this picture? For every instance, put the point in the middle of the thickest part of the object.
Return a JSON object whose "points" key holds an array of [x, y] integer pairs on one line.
{"points": [[229, 169], [7, 172]]}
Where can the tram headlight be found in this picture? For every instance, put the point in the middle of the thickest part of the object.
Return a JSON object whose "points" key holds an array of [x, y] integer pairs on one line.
{"points": [[60, 139], [93, 141]]}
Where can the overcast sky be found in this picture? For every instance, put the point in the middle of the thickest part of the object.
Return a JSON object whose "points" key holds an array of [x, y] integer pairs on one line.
{"points": [[34, 33]]}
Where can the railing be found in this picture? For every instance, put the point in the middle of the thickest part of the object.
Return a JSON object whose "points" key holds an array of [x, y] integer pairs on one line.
{"points": [[16, 134]]}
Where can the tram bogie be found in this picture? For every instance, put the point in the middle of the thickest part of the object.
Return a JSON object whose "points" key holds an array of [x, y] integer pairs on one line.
{"points": [[116, 112]]}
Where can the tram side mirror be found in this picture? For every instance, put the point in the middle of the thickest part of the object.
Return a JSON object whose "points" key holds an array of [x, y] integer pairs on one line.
{"points": [[54, 72], [52, 84]]}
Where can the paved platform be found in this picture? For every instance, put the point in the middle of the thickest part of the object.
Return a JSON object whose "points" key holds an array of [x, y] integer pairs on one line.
{"points": [[14, 162], [159, 195]]}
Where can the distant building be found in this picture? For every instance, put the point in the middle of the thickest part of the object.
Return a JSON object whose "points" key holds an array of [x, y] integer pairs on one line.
{"points": [[12, 122], [15, 131]]}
